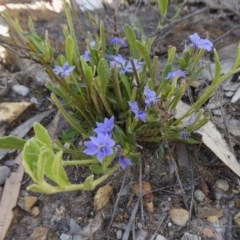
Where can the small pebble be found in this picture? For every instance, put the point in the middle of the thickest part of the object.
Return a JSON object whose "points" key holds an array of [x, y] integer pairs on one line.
{"points": [[169, 224], [29, 202], [4, 174], [199, 195], [208, 232], [119, 234], [64, 236], [77, 237], [179, 216], [218, 193], [222, 184], [237, 219], [74, 227], [190, 236], [160, 237], [21, 90], [40, 233]]}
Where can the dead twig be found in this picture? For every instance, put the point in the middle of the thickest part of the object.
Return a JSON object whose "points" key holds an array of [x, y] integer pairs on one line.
{"points": [[131, 221]]}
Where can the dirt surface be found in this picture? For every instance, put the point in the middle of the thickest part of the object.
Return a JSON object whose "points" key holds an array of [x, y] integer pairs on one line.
{"points": [[211, 196]]}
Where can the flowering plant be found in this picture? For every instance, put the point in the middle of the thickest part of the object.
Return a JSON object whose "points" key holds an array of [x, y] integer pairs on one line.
{"points": [[115, 102]]}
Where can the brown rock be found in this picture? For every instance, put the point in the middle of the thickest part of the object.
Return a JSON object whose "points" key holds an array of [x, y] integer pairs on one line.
{"points": [[40, 233], [179, 216], [205, 212], [35, 211], [207, 232], [29, 202], [212, 219], [237, 218]]}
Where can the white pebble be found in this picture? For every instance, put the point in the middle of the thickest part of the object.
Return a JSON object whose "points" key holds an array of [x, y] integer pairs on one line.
{"points": [[21, 90]]}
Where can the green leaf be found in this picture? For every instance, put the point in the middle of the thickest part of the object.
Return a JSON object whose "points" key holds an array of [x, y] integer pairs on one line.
{"points": [[42, 188], [145, 54], [163, 7], [11, 142], [42, 135], [96, 169], [218, 67], [58, 170], [131, 39], [126, 84], [88, 73], [107, 161], [70, 49], [102, 36], [30, 155], [43, 164], [104, 74], [88, 183], [70, 119]]}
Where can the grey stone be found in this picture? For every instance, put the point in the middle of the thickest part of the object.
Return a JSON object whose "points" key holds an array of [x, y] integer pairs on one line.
{"points": [[74, 227], [20, 89], [199, 195], [4, 174], [119, 234], [189, 236], [160, 237]]}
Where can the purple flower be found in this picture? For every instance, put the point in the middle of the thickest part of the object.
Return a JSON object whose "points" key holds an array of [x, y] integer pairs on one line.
{"points": [[124, 162], [150, 96], [106, 127], [201, 43], [101, 146], [138, 113], [117, 61], [87, 56], [128, 68], [192, 119], [63, 71], [123, 64], [176, 74], [184, 134], [118, 41]]}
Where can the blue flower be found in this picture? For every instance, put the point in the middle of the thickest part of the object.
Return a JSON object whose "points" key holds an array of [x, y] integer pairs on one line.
{"points": [[106, 127], [118, 41], [184, 134], [124, 162], [176, 74], [123, 64], [128, 68], [201, 43], [150, 96], [138, 113], [63, 71], [101, 146], [87, 56], [117, 61]]}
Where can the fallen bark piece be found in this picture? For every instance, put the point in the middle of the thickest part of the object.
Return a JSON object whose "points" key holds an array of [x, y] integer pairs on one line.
{"points": [[212, 138], [9, 197], [10, 111]]}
